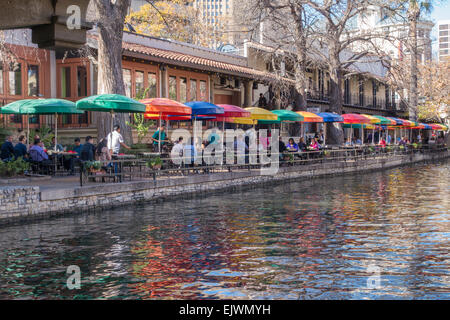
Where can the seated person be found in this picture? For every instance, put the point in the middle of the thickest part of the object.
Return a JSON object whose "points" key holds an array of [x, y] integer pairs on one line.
{"points": [[37, 153], [349, 142], [382, 143], [7, 149], [88, 150], [301, 144], [58, 146], [281, 145], [314, 145], [189, 153], [292, 146], [156, 138], [20, 149], [77, 147]]}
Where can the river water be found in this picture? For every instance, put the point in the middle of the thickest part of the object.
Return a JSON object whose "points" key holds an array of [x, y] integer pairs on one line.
{"points": [[383, 235]]}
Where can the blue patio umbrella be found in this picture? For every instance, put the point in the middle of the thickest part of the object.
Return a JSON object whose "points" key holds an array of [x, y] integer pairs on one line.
{"points": [[397, 120], [330, 117], [203, 108]]}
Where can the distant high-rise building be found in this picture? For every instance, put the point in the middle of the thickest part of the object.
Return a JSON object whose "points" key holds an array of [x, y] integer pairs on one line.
{"points": [[219, 14], [443, 39]]}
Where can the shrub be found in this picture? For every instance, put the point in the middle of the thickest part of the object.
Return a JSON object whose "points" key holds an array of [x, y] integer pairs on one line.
{"points": [[44, 132], [14, 168]]}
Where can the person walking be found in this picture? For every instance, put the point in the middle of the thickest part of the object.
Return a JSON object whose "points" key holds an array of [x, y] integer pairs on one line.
{"points": [[115, 141]]}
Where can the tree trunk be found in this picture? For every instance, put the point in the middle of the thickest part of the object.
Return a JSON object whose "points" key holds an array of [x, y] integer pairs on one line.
{"points": [[110, 76], [335, 135], [413, 88], [299, 91]]}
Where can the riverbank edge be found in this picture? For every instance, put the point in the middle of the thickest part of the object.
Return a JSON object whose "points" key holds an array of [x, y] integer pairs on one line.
{"points": [[25, 203]]}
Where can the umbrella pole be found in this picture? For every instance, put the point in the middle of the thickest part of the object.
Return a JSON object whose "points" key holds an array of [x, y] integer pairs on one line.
{"points": [[112, 124], [373, 134], [56, 130], [351, 133], [56, 141], [159, 133], [362, 139], [28, 132]]}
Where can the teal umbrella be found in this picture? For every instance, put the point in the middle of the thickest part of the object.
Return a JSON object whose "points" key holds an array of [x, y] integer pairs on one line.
{"points": [[41, 107], [283, 116], [112, 103]]}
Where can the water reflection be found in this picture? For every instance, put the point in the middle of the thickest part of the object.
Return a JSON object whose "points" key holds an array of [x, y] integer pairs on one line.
{"points": [[302, 240]]}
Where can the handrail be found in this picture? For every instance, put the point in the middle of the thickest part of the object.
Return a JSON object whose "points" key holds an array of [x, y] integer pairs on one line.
{"points": [[140, 167]]}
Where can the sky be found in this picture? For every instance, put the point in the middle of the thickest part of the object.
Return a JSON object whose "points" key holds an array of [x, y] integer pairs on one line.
{"points": [[441, 11]]}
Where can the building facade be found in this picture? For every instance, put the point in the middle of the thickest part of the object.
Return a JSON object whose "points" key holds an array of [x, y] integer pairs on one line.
{"points": [[151, 66], [443, 40], [154, 67], [364, 88], [392, 35]]}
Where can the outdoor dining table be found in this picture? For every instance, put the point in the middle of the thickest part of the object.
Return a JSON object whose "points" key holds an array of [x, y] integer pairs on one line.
{"points": [[55, 155], [123, 156]]}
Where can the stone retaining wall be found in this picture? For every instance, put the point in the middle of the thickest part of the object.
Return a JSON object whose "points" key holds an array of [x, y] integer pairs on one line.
{"points": [[18, 202]]}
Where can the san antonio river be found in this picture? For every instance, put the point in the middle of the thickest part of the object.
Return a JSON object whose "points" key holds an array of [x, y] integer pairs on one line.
{"points": [[383, 235]]}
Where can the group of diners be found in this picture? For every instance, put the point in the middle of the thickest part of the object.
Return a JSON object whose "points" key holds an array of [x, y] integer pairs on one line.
{"points": [[301, 146], [68, 156]]}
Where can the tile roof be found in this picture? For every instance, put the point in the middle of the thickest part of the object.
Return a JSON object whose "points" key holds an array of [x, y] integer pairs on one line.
{"points": [[198, 62]]}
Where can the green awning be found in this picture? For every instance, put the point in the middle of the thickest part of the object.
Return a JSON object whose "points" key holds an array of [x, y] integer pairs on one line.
{"points": [[110, 103], [40, 106]]}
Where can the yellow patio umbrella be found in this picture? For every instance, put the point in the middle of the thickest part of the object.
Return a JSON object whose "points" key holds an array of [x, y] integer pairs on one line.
{"points": [[373, 120], [257, 113], [244, 120]]}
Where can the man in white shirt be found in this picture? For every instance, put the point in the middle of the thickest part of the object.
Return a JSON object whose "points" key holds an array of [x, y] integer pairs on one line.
{"points": [[177, 149], [115, 140]]}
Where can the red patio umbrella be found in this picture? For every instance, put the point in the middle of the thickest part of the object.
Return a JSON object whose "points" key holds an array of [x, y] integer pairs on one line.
{"points": [[164, 107], [231, 111], [353, 118]]}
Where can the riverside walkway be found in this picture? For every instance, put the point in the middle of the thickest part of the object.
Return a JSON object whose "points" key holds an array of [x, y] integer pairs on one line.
{"points": [[38, 197]]}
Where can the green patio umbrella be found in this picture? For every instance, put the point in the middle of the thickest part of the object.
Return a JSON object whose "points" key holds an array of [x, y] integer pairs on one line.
{"points": [[283, 116], [41, 107], [112, 103]]}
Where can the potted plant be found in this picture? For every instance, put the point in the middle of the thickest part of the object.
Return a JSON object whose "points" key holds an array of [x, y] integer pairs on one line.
{"points": [[155, 163], [93, 166]]}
